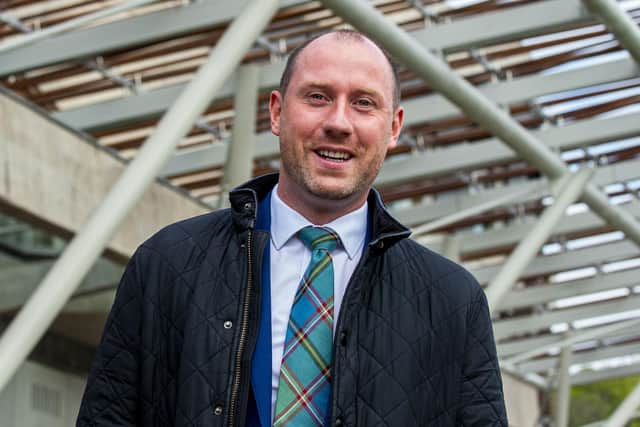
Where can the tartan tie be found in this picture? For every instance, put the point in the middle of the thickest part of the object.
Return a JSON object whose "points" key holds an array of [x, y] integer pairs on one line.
{"points": [[305, 375]]}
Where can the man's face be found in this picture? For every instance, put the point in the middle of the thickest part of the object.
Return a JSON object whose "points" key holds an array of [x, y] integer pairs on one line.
{"points": [[335, 122]]}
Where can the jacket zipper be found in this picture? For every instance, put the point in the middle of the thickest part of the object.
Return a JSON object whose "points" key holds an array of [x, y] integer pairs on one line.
{"points": [[244, 321]]}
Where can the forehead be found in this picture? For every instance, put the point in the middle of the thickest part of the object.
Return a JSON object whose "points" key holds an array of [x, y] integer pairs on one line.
{"points": [[347, 56]]}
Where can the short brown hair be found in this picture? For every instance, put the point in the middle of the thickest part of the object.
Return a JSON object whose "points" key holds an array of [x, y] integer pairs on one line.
{"points": [[289, 68]]}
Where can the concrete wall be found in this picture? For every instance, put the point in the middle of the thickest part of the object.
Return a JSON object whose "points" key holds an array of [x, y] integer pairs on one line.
{"points": [[38, 396], [523, 408], [57, 177]]}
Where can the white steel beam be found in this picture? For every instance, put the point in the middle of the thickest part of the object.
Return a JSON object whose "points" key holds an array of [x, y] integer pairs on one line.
{"points": [[435, 162], [431, 107], [504, 238], [515, 347], [239, 165], [14, 22], [436, 107], [479, 108], [543, 294], [586, 257], [517, 22], [445, 204], [56, 288], [585, 335], [462, 157], [509, 327], [510, 197], [588, 377], [564, 388], [528, 247], [534, 346], [125, 34], [70, 25], [581, 357], [512, 23], [626, 410], [619, 23], [152, 103], [509, 236]]}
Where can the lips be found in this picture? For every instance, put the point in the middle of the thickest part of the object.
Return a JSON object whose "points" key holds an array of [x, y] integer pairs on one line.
{"points": [[337, 156]]}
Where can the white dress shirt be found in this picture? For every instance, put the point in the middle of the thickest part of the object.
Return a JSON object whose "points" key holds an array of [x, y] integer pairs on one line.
{"points": [[289, 258]]}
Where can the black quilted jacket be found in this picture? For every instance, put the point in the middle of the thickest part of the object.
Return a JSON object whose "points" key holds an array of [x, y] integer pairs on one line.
{"points": [[414, 345]]}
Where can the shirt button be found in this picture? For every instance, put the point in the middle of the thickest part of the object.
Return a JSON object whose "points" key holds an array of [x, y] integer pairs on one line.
{"points": [[217, 410], [228, 324], [338, 422]]}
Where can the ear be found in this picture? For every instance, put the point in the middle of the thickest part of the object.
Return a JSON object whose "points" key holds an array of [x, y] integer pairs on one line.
{"points": [[396, 127], [275, 109]]}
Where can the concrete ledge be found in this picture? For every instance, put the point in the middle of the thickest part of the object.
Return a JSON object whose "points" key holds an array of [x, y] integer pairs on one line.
{"points": [[521, 400], [55, 177]]}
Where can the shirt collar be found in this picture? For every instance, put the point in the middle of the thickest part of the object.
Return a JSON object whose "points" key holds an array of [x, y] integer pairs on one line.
{"points": [[286, 222]]}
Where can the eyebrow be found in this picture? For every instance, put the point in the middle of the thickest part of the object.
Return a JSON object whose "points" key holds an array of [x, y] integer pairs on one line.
{"points": [[321, 85]]}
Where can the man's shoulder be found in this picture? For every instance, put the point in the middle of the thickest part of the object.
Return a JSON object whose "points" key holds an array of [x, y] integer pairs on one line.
{"points": [[437, 269], [191, 232]]}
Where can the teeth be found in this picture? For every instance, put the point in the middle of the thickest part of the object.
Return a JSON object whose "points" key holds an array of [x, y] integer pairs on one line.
{"points": [[335, 155]]}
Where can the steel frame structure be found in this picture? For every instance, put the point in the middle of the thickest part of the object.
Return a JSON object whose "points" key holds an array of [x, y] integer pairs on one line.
{"points": [[503, 216]]}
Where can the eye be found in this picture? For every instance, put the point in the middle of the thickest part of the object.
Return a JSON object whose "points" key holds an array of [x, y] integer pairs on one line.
{"points": [[317, 97], [364, 103]]}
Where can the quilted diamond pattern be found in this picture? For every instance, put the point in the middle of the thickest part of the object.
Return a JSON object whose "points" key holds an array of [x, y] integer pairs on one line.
{"points": [[415, 345], [420, 350], [165, 355]]}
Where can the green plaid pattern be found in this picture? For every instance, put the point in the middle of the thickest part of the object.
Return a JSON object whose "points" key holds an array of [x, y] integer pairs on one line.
{"points": [[305, 372]]}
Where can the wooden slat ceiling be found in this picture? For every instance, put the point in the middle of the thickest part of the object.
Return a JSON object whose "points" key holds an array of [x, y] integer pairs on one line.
{"points": [[175, 60], [167, 62]]}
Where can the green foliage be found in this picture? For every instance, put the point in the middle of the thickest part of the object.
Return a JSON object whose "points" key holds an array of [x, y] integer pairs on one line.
{"points": [[597, 401]]}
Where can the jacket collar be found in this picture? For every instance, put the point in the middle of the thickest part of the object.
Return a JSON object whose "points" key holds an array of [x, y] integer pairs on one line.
{"points": [[385, 229]]}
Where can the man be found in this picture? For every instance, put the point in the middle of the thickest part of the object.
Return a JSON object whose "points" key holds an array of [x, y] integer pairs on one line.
{"points": [[207, 330]]}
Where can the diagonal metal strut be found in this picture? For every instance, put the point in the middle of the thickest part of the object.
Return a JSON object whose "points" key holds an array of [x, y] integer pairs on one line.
{"points": [[478, 107], [53, 292]]}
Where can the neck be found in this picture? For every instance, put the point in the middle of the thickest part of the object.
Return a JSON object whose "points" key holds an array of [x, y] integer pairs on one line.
{"points": [[317, 210]]}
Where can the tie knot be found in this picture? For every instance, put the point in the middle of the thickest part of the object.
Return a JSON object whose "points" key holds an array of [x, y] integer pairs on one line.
{"points": [[318, 238]]}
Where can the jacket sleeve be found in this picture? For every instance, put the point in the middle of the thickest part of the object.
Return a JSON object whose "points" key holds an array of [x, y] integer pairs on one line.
{"points": [[482, 397], [111, 394]]}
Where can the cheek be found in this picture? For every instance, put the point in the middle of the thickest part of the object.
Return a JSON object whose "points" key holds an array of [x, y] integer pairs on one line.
{"points": [[297, 125], [374, 137]]}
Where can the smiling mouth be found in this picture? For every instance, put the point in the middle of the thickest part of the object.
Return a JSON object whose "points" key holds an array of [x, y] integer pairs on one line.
{"points": [[335, 156]]}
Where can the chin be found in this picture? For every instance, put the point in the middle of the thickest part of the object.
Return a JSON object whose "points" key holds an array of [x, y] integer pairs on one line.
{"points": [[337, 191]]}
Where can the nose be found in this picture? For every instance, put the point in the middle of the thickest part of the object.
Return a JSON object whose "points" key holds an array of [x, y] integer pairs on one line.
{"points": [[337, 123]]}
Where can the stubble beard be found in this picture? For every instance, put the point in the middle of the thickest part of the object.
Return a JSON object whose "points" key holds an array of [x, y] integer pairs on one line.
{"points": [[304, 179]]}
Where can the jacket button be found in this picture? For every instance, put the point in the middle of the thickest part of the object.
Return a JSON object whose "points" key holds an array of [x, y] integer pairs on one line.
{"points": [[228, 324], [338, 422], [343, 338], [217, 410]]}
